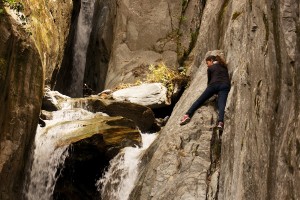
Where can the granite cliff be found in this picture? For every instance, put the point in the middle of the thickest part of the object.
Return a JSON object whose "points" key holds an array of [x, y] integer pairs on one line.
{"points": [[258, 155]]}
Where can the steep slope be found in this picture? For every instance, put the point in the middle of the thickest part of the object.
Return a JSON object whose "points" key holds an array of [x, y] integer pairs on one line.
{"points": [[260, 144]]}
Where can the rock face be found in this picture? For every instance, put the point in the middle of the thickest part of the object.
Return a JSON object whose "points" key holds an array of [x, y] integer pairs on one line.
{"points": [[260, 144], [28, 56], [149, 33], [49, 24], [21, 80], [100, 46], [181, 157]]}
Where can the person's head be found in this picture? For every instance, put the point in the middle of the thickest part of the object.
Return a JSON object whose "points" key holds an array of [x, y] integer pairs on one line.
{"points": [[211, 59]]}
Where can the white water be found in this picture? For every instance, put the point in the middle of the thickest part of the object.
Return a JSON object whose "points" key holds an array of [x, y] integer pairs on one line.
{"points": [[47, 156], [84, 28], [118, 182]]}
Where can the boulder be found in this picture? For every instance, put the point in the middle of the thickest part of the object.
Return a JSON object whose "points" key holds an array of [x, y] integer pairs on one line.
{"points": [[115, 131], [142, 116], [91, 146], [152, 95]]}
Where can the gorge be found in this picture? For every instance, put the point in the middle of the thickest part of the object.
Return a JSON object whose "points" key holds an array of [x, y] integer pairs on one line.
{"points": [[89, 49]]}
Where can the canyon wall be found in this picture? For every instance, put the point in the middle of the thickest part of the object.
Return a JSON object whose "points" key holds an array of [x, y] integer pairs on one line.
{"points": [[260, 40], [49, 23], [21, 88], [148, 33], [33, 35]]}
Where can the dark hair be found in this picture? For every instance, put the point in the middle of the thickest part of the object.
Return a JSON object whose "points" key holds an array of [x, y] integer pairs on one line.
{"points": [[216, 58]]}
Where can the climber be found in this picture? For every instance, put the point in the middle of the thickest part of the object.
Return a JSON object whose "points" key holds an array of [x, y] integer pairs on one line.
{"points": [[218, 83]]}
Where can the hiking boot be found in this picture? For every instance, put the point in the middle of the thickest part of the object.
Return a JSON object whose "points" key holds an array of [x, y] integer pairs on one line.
{"points": [[220, 125], [186, 119]]}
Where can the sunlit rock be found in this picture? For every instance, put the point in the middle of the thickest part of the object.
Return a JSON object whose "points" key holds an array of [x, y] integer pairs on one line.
{"points": [[115, 131], [153, 95]]}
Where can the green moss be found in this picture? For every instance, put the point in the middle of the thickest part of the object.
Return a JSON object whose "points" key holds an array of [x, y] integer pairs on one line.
{"points": [[15, 5], [235, 15]]}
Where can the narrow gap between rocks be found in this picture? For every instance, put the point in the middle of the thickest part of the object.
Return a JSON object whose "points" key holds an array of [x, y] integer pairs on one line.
{"points": [[213, 173]]}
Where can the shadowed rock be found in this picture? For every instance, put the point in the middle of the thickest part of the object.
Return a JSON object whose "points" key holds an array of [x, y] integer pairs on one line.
{"points": [[21, 90]]}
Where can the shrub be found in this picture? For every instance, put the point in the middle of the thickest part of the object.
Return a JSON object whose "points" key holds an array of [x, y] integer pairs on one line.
{"points": [[160, 73]]}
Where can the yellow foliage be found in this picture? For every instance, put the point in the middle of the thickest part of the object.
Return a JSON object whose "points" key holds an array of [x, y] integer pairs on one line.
{"points": [[162, 74], [126, 85], [159, 74]]}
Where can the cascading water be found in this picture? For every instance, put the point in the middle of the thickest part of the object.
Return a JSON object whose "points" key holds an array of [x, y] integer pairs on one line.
{"points": [[50, 153], [47, 155], [118, 182], [82, 38]]}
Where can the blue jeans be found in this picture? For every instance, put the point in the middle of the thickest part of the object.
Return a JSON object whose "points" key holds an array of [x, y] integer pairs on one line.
{"points": [[222, 89]]}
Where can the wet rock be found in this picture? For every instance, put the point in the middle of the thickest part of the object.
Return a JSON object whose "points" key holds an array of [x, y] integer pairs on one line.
{"points": [[101, 43], [51, 100], [46, 115], [92, 146], [115, 131], [142, 116]]}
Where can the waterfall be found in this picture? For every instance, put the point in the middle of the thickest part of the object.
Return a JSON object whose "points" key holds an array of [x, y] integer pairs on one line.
{"points": [[47, 156], [119, 180], [82, 38]]}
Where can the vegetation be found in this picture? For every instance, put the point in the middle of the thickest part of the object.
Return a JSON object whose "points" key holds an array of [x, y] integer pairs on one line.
{"points": [[16, 6], [13, 4], [160, 74]]}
